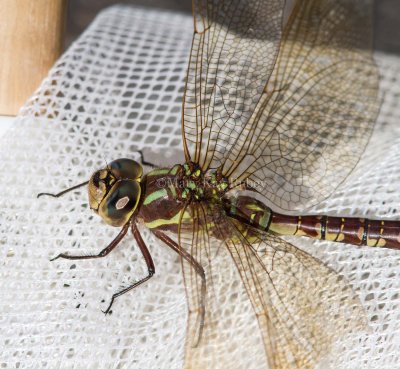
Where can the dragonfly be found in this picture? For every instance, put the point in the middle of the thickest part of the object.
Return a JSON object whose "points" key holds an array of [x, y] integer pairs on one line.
{"points": [[279, 105]]}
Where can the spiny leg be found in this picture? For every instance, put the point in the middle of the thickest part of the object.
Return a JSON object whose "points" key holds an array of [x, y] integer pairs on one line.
{"points": [[102, 253], [149, 262], [198, 269]]}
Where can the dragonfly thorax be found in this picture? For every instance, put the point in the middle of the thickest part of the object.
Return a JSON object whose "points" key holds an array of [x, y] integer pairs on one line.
{"points": [[167, 192], [198, 185], [114, 192]]}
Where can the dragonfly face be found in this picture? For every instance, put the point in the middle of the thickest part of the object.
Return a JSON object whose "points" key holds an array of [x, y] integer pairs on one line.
{"points": [[114, 192]]}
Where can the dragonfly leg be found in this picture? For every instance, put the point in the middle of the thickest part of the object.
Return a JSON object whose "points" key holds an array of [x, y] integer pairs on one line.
{"points": [[149, 262], [102, 253], [199, 270]]}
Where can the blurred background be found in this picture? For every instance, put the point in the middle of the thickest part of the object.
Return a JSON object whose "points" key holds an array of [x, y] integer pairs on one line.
{"points": [[82, 12], [33, 34]]}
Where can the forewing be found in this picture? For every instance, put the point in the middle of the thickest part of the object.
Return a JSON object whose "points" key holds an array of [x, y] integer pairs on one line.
{"points": [[233, 51], [301, 307], [318, 110], [295, 134]]}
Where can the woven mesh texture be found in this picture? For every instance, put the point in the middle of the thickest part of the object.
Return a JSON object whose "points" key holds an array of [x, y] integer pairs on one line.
{"points": [[116, 90]]}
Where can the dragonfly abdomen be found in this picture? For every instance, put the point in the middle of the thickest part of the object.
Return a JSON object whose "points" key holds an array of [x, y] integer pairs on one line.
{"points": [[356, 231]]}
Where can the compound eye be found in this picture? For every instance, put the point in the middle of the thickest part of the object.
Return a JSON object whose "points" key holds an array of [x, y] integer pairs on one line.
{"points": [[126, 169], [120, 203]]}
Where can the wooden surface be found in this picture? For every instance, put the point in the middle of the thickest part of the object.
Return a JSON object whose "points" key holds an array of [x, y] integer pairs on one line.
{"points": [[30, 42]]}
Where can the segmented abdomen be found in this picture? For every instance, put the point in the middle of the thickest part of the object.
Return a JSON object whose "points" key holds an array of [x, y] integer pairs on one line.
{"points": [[356, 231]]}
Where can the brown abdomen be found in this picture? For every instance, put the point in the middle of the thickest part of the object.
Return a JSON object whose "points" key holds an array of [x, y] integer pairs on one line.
{"points": [[356, 231]]}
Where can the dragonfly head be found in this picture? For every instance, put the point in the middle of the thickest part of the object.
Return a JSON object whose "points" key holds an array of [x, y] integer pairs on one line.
{"points": [[114, 192]]}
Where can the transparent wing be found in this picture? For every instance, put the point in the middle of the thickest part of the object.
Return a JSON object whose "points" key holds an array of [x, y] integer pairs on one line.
{"points": [[301, 307], [233, 51], [316, 112], [215, 339]]}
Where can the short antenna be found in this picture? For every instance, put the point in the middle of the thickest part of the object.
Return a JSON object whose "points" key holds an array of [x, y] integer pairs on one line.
{"points": [[62, 192]]}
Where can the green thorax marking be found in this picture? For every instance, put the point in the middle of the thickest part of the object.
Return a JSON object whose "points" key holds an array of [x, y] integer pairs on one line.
{"points": [[168, 190], [162, 222], [198, 185], [164, 171], [192, 182], [155, 196], [219, 182], [158, 172], [165, 184], [186, 182]]}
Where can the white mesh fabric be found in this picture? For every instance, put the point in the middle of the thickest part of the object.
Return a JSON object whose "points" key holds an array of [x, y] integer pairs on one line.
{"points": [[118, 89]]}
